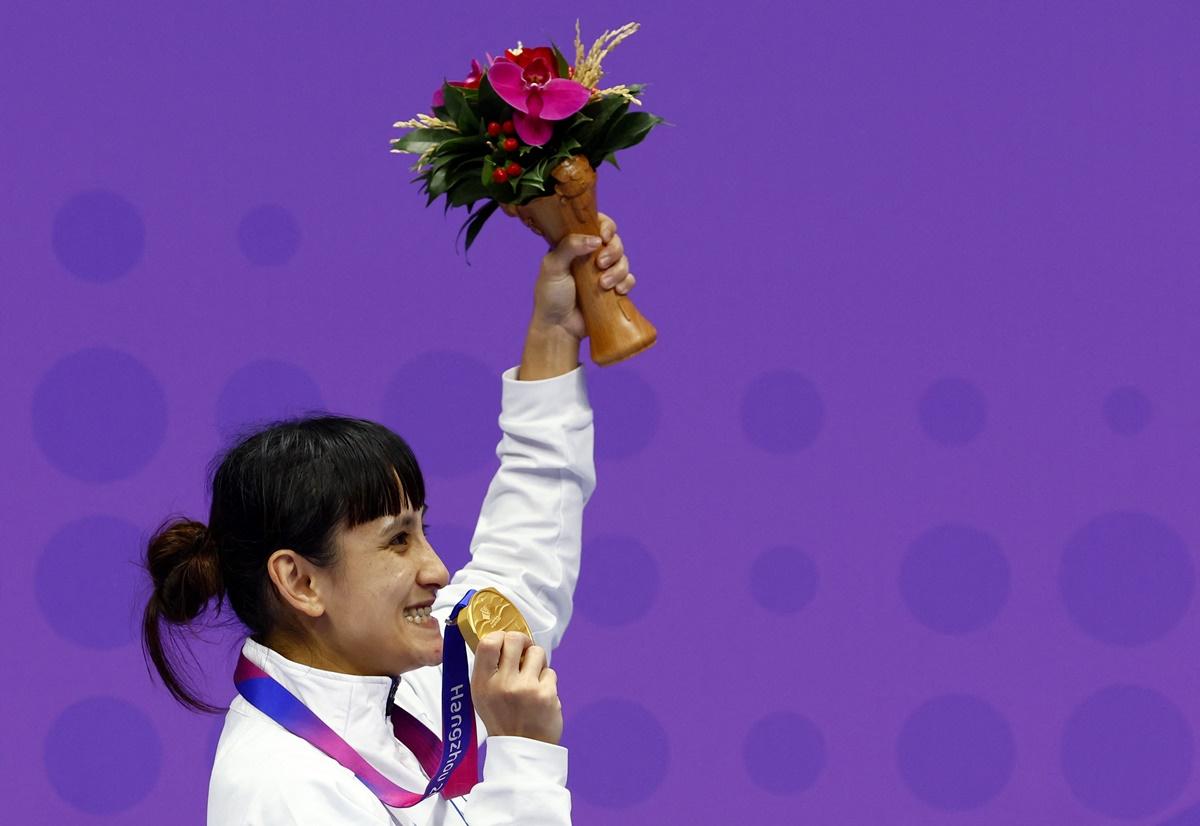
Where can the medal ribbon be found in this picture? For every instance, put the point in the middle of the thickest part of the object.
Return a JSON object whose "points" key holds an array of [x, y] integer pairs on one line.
{"points": [[452, 770]]}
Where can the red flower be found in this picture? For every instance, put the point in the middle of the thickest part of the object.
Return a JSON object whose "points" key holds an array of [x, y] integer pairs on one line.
{"points": [[472, 82], [526, 58]]}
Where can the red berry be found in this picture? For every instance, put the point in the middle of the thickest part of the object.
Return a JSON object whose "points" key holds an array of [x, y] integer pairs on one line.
{"points": [[513, 169], [507, 127], [499, 175], [511, 144], [493, 129]]}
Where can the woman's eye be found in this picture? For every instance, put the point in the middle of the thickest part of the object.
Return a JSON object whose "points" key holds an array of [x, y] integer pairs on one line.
{"points": [[403, 535]]}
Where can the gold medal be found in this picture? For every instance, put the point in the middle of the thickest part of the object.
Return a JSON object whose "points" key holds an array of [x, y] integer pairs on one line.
{"points": [[488, 611]]}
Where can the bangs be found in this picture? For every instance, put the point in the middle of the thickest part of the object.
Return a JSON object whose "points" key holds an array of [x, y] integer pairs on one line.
{"points": [[364, 469]]}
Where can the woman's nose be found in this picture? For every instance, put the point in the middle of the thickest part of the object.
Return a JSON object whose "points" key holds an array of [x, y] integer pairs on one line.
{"points": [[434, 571]]}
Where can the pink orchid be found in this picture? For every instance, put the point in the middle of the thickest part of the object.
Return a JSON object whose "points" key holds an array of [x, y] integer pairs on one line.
{"points": [[537, 94], [472, 82]]}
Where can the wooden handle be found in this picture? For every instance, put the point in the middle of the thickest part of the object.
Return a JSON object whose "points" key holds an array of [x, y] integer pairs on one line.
{"points": [[615, 328]]}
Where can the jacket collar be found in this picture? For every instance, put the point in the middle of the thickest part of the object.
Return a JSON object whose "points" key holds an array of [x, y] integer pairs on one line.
{"points": [[355, 707]]}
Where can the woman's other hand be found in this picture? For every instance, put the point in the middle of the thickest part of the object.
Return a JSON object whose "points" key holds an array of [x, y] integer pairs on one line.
{"points": [[554, 304], [514, 691]]}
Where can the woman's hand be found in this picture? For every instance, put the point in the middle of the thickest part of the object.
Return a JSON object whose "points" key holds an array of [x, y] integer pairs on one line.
{"points": [[514, 696], [554, 304]]}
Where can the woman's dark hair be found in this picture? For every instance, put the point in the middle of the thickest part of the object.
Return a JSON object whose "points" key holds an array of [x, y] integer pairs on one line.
{"points": [[291, 485]]}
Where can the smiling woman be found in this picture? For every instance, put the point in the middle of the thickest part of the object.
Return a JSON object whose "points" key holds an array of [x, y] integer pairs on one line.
{"points": [[317, 539], [352, 660]]}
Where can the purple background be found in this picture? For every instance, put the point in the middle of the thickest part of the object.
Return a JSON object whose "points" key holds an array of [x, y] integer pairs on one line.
{"points": [[895, 524]]}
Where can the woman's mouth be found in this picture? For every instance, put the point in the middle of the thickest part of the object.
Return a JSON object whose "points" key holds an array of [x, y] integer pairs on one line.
{"points": [[420, 616]]}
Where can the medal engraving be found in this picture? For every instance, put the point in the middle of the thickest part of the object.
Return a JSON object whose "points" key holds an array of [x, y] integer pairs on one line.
{"points": [[489, 611]]}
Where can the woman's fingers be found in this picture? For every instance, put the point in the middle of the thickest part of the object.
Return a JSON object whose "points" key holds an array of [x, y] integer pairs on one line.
{"points": [[616, 275], [557, 262], [514, 646], [608, 227], [487, 653], [612, 252], [626, 285], [534, 662]]}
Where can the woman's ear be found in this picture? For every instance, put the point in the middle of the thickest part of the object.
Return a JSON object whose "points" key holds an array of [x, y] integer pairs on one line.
{"points": [[293, 577]]}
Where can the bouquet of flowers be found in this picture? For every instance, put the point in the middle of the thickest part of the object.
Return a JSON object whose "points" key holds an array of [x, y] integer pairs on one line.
{"points": [[526, 133]]}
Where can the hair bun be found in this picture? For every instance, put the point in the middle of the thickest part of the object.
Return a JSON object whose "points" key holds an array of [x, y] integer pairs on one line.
{"points": [[183, 562]]}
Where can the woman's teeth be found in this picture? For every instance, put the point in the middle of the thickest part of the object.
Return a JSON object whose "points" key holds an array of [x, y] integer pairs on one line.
{"points": [[417, 615]]}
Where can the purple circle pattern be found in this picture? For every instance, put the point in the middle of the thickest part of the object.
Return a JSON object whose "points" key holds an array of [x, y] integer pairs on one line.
{"points": [[1188, 817], [1127, 752], [783, 579], [784, 753], [263, 391], [1126, 578], [627, 412], [102, 755], [954, 579], [782, 412], [952, 411], [956, 752], [268, 235], [616, 564], [1127, 411], [88, 581], [99, 415], [619, 753], [98, 236], [466, 395]]}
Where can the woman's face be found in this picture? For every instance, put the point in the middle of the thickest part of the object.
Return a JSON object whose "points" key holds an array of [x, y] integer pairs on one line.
{"points": [[374, 596]]}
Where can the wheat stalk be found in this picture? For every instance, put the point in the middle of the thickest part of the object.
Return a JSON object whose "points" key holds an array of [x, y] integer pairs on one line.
{"points": [[423, 121], [587, 69], [617, 91]]}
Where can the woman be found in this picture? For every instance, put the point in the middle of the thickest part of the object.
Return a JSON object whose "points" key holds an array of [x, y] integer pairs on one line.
{"points": [[316, 539]]}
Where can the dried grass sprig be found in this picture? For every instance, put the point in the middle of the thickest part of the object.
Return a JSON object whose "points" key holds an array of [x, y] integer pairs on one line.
{"points": [[587, 69], [423, 121], [619, 91]]}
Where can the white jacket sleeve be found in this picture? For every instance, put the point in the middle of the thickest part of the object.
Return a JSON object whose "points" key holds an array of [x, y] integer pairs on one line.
{"points": [[527, 540], [524, 782]]}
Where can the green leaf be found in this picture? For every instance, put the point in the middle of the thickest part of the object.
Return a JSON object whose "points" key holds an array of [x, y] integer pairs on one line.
{"points": [[535, 175], [467, 192], [458, 145], [438, 183], [463, 167], [489, 166], [564, 68], [530, 187], [475, 223], [600, 113], [418, 140], [630, 130], [612, 159], [491, 104], [460, 110]]}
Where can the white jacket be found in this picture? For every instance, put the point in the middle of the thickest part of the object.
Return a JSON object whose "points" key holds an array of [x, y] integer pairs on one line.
{"points": [[527, 545]]}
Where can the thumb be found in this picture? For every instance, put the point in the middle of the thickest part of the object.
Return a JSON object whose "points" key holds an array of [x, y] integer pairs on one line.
{"points": [[568, 249]]}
